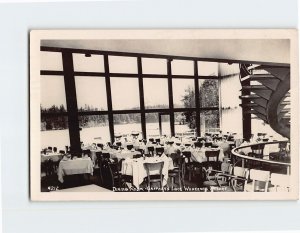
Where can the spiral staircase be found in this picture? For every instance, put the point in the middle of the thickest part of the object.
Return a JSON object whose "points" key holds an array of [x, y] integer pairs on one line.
{"points": [[265, 93]]}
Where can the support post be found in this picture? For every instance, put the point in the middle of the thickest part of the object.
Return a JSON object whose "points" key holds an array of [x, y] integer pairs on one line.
{"points": [[171, 105], [71, 101], [109, 99]]}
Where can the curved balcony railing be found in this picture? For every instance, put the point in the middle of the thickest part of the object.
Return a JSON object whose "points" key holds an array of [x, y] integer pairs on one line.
{"points": [[266, 158]]}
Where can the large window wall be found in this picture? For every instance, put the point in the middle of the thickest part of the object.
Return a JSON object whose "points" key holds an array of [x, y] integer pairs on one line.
{"points": [[99, 94]]}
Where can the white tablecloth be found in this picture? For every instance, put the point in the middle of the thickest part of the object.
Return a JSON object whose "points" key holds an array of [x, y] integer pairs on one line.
{"points": [[198, 155], [135, 168], [53, 156], [72, 167], [124, 154]]}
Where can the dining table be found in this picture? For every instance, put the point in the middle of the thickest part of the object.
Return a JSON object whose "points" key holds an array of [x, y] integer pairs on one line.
{"points": [[74, 166], [198, 154], [136, 169], [55, 157]]}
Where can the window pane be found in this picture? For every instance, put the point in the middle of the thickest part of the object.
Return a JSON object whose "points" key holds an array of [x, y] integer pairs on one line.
{"points": [[92, 63], [156, 93], [209, 121], [209, 93], [54, 132], [182, 67], [91, 93], [154, 66], [183, 93], [207, 68], [53, 97], [95, 129], [125, 124], [152, 125], [118, 64], [185, 123], [51, 61], [125, 93]]}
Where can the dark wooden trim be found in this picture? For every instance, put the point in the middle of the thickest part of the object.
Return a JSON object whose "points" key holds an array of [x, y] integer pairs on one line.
{"points": [[130, 111], [109, 99], [90, 113], [71, 101], [160, 124], [124, 75], [145, 55], [51, 73], [170, 91], [142, 102], [197, 100], [245, 114]]}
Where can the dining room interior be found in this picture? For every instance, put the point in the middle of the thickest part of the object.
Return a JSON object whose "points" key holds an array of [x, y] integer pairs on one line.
{"points": [[165, 116]]}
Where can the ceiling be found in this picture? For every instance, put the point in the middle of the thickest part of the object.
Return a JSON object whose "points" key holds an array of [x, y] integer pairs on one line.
{"points": [[256, 50]]}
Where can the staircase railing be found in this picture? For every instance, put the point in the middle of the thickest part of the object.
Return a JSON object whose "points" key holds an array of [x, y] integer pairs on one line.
{"points": [[243, 158]]}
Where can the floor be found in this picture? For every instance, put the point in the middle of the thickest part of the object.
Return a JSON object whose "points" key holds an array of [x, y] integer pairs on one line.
{"points": [[50, 183]]}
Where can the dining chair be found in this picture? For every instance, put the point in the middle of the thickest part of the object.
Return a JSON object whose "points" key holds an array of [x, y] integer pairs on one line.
{"points": [[154, 178], [200, 139], [99, 162], [198, 144], [49, 165], [212, 159], [257, 152], [111, 172], [280, 182], [189, 165], [129, 147], [141, 151], [281, 155], [137, 155], [217, 178], [178, 171], [208, 144], [159, 151], [124, 178], [260, 181], [100, 145], [239, 179], [230, 138], [151, 150], [118, 144]]}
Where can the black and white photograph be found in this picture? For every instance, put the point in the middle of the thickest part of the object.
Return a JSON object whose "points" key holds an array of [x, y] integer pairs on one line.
{"points": [[163, 115]]}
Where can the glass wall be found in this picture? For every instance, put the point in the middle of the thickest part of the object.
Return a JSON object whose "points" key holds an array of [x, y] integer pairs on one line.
{"points": [[185, 123], [209, 121], [153, 128], [94, 128], [126, 124], [156, 93], [88, 63], [183, 93], [54, 126], [209, 93], [91, 93], [128, 101], [125, 93]]}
